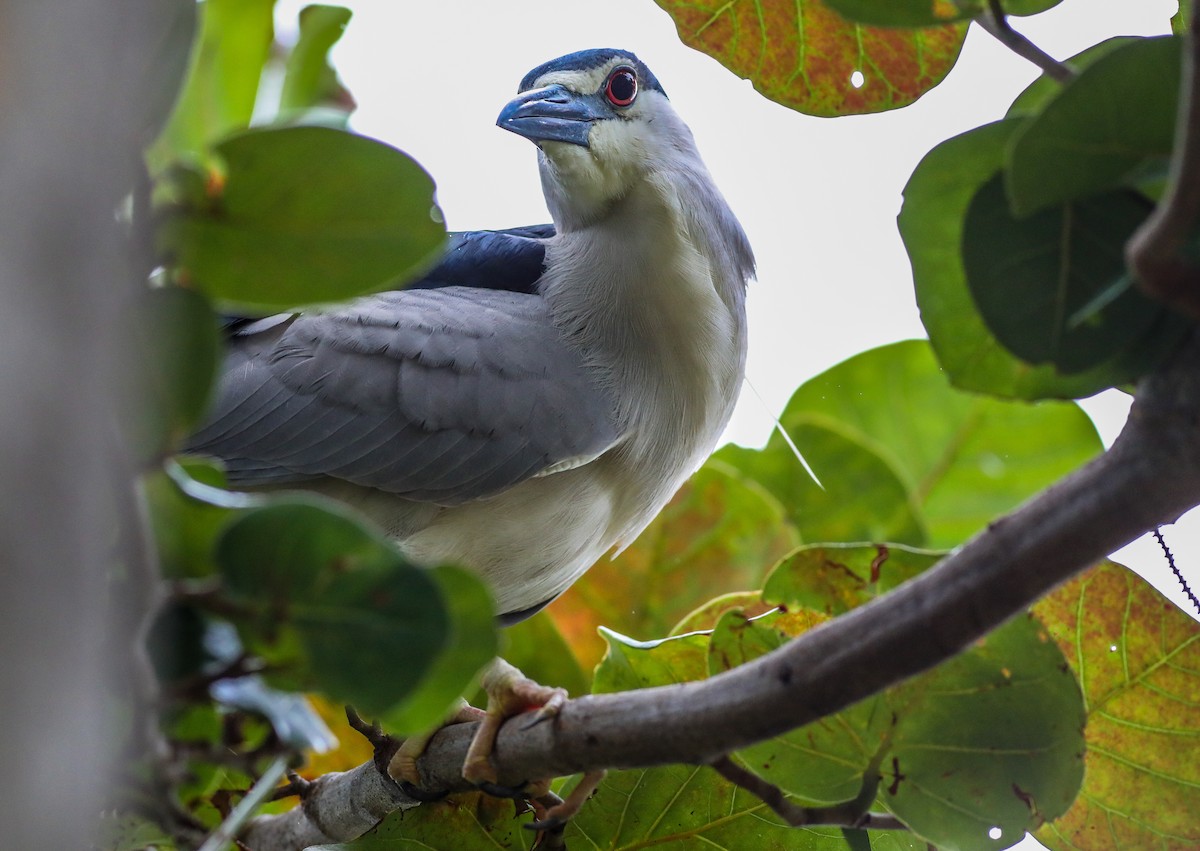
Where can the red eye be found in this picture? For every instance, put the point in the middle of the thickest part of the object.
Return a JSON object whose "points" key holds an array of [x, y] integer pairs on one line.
{"points": [[621, 87]]}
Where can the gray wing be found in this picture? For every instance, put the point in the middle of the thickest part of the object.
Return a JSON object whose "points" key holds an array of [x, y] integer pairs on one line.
{"points": [[441, 395]]}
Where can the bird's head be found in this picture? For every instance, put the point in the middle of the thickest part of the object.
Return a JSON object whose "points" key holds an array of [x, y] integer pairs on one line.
{"points": [[602, 122]]}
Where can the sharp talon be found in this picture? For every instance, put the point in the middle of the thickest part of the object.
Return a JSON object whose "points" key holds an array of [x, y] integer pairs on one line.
{"points": [[510, 693], [498, 791], [538, 718], [550, 840], [547, 824], [418, 794], [555, 818], [402, 764]]}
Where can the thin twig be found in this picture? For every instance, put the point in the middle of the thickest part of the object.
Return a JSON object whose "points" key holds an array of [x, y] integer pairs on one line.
{"points": [[1158, 252], [259, 794], [995, 22], [296, 785], [1187, 589], [384, 747], [372, 732], [852, 814]]}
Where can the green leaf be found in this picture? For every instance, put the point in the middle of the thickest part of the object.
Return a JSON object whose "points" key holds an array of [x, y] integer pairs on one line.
{"points": [[721, 532], [821, 763], [175, 351], [927, 13], [1033, 278], [931, 224], [962, 459], [631, 664], [222, 83], [1179, 21], [463, 823], [472, 645], [802, 54], [990, 739], [131, 833], [861, 496], [692, 808], [309, 80], [1138, 659], [705, 617], [835, 578], [1045, 88], [684, 806], [185, 529], [1100, 128], [330, 604], [304, 215]]}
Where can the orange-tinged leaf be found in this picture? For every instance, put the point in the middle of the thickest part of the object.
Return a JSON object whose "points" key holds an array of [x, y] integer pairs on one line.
{"points": [[805, 56], [721, 533], [1137, 658]]}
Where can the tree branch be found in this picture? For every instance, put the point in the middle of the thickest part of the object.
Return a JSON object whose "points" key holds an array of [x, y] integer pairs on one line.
{"points": [[79, 75], [853, 814], [1163, 263], [1150, 476], [995, 22]]}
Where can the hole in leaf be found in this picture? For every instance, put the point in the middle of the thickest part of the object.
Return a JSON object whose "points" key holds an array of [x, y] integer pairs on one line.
{"points": [[995, 833], [857, 79]]}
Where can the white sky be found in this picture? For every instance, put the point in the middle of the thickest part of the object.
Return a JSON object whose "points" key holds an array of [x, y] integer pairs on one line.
{"points": [[818, 197]]}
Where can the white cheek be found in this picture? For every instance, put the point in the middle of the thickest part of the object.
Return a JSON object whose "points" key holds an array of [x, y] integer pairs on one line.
{"points": [[618, 146], [577, 170], [587, 180]]}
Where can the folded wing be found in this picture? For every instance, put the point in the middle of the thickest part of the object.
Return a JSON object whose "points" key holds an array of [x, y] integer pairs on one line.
{"points": [[442, 394]]}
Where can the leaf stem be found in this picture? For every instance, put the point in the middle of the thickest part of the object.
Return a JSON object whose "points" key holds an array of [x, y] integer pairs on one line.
{"points": [[995, 22]]}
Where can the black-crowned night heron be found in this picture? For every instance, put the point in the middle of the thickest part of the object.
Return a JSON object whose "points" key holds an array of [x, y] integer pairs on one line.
{"points": [[541, 394]]}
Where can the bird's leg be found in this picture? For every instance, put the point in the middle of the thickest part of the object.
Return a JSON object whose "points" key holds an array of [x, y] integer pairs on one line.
{"points": [[403, 765], [556, 817], [510, 693]]}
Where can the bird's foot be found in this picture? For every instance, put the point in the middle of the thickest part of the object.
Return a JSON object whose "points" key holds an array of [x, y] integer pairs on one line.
{"points": [[403, 765], [555, 818], [510, 693]]}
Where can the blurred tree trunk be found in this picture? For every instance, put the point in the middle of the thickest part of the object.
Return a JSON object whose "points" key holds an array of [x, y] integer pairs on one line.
{"points": [[72, 92]]}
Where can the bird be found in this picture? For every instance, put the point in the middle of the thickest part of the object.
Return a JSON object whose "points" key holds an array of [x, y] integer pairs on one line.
{"points": [[537, 397]]}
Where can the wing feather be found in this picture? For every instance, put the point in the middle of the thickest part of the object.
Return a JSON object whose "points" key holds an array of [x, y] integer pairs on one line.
{"points": [[441, 394]]}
